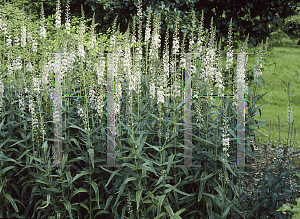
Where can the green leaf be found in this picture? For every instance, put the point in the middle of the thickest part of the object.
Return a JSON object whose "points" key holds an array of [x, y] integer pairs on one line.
{"points": [[177, 190], [95, 187], [45, 147], [220, 191], [47, 203], [123, 187], [207, 177], [11, 200], [202, 184], [65, 158], [209, 208], [43, 182], [179, 212], [170, 211], [160, 202], [214, 198], [224, 214], [6, 169], [107, 202], [79, 190], [85, 206], [111, 176], [138, 197], [68, 207], [80, 175], [91, 153]]}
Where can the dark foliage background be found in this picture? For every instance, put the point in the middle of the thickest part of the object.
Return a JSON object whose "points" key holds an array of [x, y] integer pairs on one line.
{"points": [[256, 18]]}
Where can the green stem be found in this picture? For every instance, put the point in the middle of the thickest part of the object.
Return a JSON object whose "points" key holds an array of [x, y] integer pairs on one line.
{"points": [[90, 192], [159, 130], [206, 131], [131, 113], [216, 143], [138, 90]]}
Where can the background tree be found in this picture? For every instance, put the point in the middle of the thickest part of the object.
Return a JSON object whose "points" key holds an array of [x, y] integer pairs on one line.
{"points": [[292, 23], [258, 18]]}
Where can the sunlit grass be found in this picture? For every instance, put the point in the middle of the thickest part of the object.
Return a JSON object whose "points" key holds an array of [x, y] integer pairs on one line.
{"points": [[276, 79]]}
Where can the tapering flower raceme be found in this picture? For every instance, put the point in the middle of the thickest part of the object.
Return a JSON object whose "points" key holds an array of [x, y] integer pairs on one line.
{"points": [[163, 78], [118, 91], [279, 145], [82, 114], [240, 82], [98, 92], [99, 105], [34, 46], [191, 42], [138, 53], [147, 41], [225, 124], [152, 90], [182, 62], [200, 34], [29, 36], [226, 145], [3, 26], [67, 24], [9, 68], [58, 16], [92, 93], [218, 73], [81, 52], [129, 203], [29, 67], [219, 81], [258, 66], [289, 118], [209, 70], [289, 114], [42, 27], [160, 96], [229, 59], [31, 39], [23, 37], [152, 57], [138, 59], [8, 42], [91, 45], [148, 29], [46, 68], [32, 111], [17, 40], [175, 49], [37, 84], [244, 50], [92, 42], [196, 77], [115, 70], [17, 64], [128, 65]]}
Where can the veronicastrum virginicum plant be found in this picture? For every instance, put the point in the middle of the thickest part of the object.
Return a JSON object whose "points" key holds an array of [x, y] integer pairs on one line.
{"points": [[37, 90], [149, 195]]}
